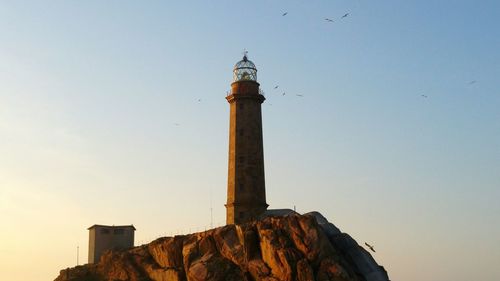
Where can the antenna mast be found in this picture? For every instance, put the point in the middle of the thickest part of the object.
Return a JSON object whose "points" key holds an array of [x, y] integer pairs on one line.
{"points": [[211, 211]]}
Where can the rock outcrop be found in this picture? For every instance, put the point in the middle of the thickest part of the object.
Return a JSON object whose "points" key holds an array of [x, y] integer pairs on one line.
{"points": [[287, 248]]}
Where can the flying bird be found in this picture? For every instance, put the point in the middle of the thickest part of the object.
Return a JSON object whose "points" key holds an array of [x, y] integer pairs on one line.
{"points": [[329, 20], [424, 96], [176, 124], [283, 94], [298, 95], [276, 87], [199, 100], [345, 16], [472, 82], [370, 246], [284, 14]]}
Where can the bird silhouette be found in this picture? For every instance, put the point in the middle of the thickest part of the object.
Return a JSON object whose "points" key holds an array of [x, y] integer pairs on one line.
{"points": [[283, 94], [276, 87], [285, 13], [370, 246], [329, 20], [345, 16], [199, 100], [176, 124], [472, 82], [299, 95], [424, 96]]}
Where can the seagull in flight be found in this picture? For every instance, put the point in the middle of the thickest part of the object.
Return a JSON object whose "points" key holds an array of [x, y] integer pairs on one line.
{"points": [[199, 100], [329, 20], [276, 87], [283, 94], [370, 246], [284, 14], [345, 16], [176, 124], [424, 96], [472, 82], [298, 95]]}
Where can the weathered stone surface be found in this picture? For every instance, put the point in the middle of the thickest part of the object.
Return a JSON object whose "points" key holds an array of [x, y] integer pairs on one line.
{"points": [[304, 271], [167, 252], [230, 242], [331, 270], [288, 248], [258, 270], [277, 250], [329, 228], [363, 263], [79, 273], [214, 267]]}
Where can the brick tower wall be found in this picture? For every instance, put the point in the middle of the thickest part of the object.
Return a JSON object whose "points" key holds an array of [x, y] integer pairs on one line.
{"points": [[246, 198]]}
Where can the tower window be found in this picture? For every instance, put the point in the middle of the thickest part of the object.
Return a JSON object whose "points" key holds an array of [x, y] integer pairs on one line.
{"points": [[242, 187], [119, 231], [241, 215], [241, 132], [241, 105], [104, 231]]}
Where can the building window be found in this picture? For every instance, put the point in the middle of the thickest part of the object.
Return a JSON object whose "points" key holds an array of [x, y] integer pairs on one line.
{"points": [[104, 231], [119, 231], [241, 132], [241, 106], [241, 215], [242, 187]]}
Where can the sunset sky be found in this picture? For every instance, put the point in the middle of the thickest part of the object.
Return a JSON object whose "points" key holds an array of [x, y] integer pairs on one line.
{"points": [[114, 112]]}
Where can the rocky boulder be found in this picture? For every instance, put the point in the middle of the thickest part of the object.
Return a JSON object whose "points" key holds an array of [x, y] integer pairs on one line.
{"points": [[276, 248]]}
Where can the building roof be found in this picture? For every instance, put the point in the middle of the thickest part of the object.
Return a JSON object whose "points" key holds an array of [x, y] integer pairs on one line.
{"points": [[277, 213], [112, 226]]}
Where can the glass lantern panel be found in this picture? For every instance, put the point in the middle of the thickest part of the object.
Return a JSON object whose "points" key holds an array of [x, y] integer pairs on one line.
{"points": [[244, 70]]}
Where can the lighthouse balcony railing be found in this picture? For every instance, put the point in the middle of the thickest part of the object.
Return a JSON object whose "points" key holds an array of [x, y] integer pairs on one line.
{"points": [[228, 93]]}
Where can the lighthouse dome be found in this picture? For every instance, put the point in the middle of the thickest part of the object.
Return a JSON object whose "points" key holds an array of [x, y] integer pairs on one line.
{"points": [[244, 70]]}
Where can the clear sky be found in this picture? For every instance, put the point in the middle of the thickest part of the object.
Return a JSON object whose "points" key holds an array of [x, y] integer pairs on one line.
{"points": [[396, 139]]}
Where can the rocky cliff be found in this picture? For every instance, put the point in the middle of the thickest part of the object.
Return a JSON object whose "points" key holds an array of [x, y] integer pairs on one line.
{"points": [[293, 247]]}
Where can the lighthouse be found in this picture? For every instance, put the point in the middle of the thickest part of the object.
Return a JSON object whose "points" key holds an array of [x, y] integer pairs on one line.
{"points": [[246, 189]]}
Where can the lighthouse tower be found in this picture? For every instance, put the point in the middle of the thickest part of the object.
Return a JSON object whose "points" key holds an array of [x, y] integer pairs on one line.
{"points": [[246, 190]]}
